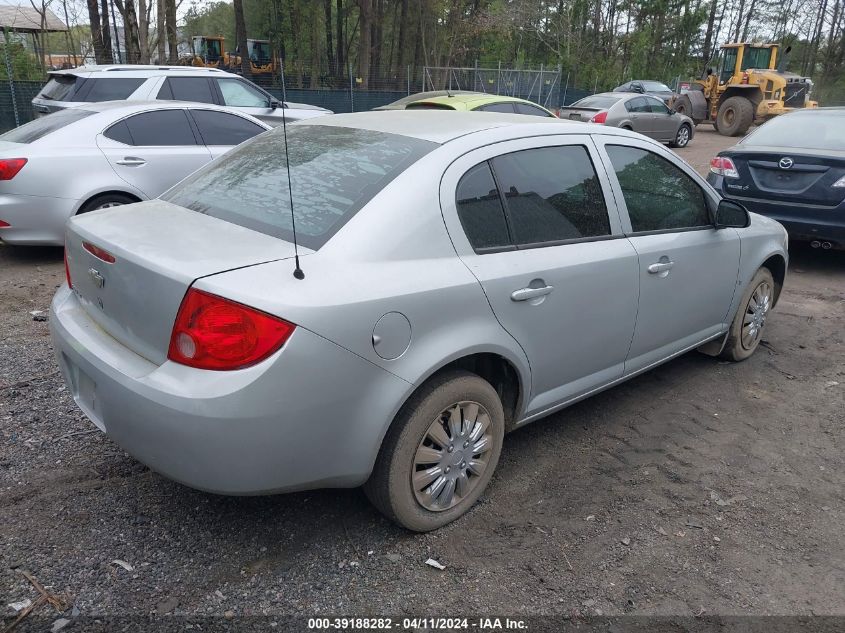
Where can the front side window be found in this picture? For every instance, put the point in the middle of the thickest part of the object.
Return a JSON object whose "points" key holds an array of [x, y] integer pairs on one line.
{"points": [[551, 194], [480, 209], [656, 106], [161, 128], [238, 94], [222, 128], [658, 195], [334, 170]]}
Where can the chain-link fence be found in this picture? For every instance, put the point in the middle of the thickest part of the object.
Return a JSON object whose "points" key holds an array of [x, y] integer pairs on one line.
{"points": [[355, 89]]}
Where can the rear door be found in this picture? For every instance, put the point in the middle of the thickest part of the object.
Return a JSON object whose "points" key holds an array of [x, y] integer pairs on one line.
{"points": [[533, 221], [687, 269], [221, 131], [640, 114], [154, 150]]}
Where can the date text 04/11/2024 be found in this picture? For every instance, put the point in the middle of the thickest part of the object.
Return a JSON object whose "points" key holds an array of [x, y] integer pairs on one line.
{"points": [[429, 623]]}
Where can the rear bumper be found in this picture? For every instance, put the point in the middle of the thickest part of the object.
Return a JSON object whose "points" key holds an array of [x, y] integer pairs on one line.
{"points": [[34, 219], [803, 222], [313, 415]]}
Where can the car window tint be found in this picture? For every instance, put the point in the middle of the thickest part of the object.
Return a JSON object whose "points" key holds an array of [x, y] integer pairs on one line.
{"points": [[527, 108], [659, 196], [656, 106], [111, 89], [165, 93], [221, 128], [637, 104], [552, 194], [41, 127], [119, 132], [497, 107], [191, 89], [61, 87], [164, 127], [239, 94], [480, 209], [335, 171]]}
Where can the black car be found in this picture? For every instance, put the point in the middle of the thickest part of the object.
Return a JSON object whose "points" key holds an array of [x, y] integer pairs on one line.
{"points": [[647, 87], [791, 169]]}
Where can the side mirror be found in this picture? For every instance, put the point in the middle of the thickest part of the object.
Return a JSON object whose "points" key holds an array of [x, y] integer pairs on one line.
{"points": [[275, 103], [730, 214]]}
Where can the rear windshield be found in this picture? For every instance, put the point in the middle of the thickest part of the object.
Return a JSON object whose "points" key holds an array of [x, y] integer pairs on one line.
{"points": [[656, 86], [34, 130], [816, 130], [596, 102], [334, 171], [423, 105], [60, 87]]}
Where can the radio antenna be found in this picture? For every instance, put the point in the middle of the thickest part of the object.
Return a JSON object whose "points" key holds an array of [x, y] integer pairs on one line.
{"points": [[297, 271]]}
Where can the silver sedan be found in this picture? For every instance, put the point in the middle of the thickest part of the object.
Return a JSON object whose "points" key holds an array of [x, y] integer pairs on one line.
{"points": [[631, 111], [458, 275], [104, 155]]}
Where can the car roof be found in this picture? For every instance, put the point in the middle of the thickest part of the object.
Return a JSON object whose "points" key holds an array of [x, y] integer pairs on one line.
{"points": [[441, 126], [473, 100], [121, 108], [422, 96], [119, 68]]}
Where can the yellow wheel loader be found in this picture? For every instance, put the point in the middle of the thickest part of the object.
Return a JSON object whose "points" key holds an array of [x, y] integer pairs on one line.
{"points": [[749, 86], [210, 52]]}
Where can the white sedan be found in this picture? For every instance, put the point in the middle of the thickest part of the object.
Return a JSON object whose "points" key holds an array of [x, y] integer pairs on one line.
{"points": [[103, 155]]}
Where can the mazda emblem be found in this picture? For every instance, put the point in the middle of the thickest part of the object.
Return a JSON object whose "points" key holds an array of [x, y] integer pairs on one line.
{"points": [[786, 162]]}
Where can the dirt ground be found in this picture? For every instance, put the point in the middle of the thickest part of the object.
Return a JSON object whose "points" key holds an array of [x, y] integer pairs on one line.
{"points": [[700, 487]]}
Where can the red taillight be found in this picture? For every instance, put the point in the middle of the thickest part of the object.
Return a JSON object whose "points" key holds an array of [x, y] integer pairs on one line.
{"points": [[98, 252], [67, 272], [4, 225], [601, 117], [723, 166], [214, 333], [9, 167]]}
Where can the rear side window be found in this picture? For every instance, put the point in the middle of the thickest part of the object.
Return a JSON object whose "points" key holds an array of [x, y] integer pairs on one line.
{"points": [[658, 195], [656, 105], [111, 89], [552, 194], [497, 107], [43, 126], [61, 88], [165, 127], [480, 209], [187, 89], [335, 171], [220, 128]]}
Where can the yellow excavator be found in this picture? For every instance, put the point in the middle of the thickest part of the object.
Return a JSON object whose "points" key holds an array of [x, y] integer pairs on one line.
{"points": [[749, 86], [210, 52], [261, 59]]}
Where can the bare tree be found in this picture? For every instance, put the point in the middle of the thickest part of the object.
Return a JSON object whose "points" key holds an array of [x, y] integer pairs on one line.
{"points": [[240, 38]]}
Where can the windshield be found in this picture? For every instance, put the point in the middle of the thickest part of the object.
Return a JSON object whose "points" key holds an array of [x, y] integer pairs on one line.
{"points": [[45, 125], [260, 52], [756, 57], [596, 101], [818, 130], [335, 171], [655, 86]]}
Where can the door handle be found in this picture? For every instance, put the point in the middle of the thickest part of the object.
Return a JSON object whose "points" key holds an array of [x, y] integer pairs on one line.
{"points": [[131, 161], [524, 294], [660, 267]]}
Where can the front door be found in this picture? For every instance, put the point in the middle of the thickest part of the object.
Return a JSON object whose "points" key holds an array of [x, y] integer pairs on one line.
{"points": [[531, 220], [687, 269], [152, 151], [663, 124]]}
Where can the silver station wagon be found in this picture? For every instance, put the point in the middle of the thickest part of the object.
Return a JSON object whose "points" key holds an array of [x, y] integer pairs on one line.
{"points": [[460, 275]]}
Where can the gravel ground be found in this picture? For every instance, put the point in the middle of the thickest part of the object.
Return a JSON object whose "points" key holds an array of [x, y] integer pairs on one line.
{"points": [[700, 487]]}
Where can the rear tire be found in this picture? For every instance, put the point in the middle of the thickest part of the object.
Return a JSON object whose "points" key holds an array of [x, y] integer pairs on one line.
{"points": [[682, 137], [433, 438], [747, 327], [735, 116], [105, 201]]}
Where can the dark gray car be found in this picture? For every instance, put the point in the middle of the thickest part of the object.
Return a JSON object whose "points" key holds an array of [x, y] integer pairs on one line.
{"points": [[640, 113], [647, 87]]}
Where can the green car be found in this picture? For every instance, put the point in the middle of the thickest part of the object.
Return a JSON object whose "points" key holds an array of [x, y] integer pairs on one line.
{"points": [[467, 101]]}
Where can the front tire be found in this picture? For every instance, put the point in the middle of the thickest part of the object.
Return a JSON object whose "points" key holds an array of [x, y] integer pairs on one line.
{"points": [[735, 116], [440, 452], [747, 327]]}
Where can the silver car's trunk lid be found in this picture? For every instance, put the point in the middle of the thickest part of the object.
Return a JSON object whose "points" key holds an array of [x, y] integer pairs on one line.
{"points": [[159, 250], [578, 114]]}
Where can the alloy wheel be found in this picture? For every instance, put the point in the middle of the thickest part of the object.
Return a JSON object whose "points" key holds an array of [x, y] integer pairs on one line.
{"points": [[683, 136], [755, 315]]}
